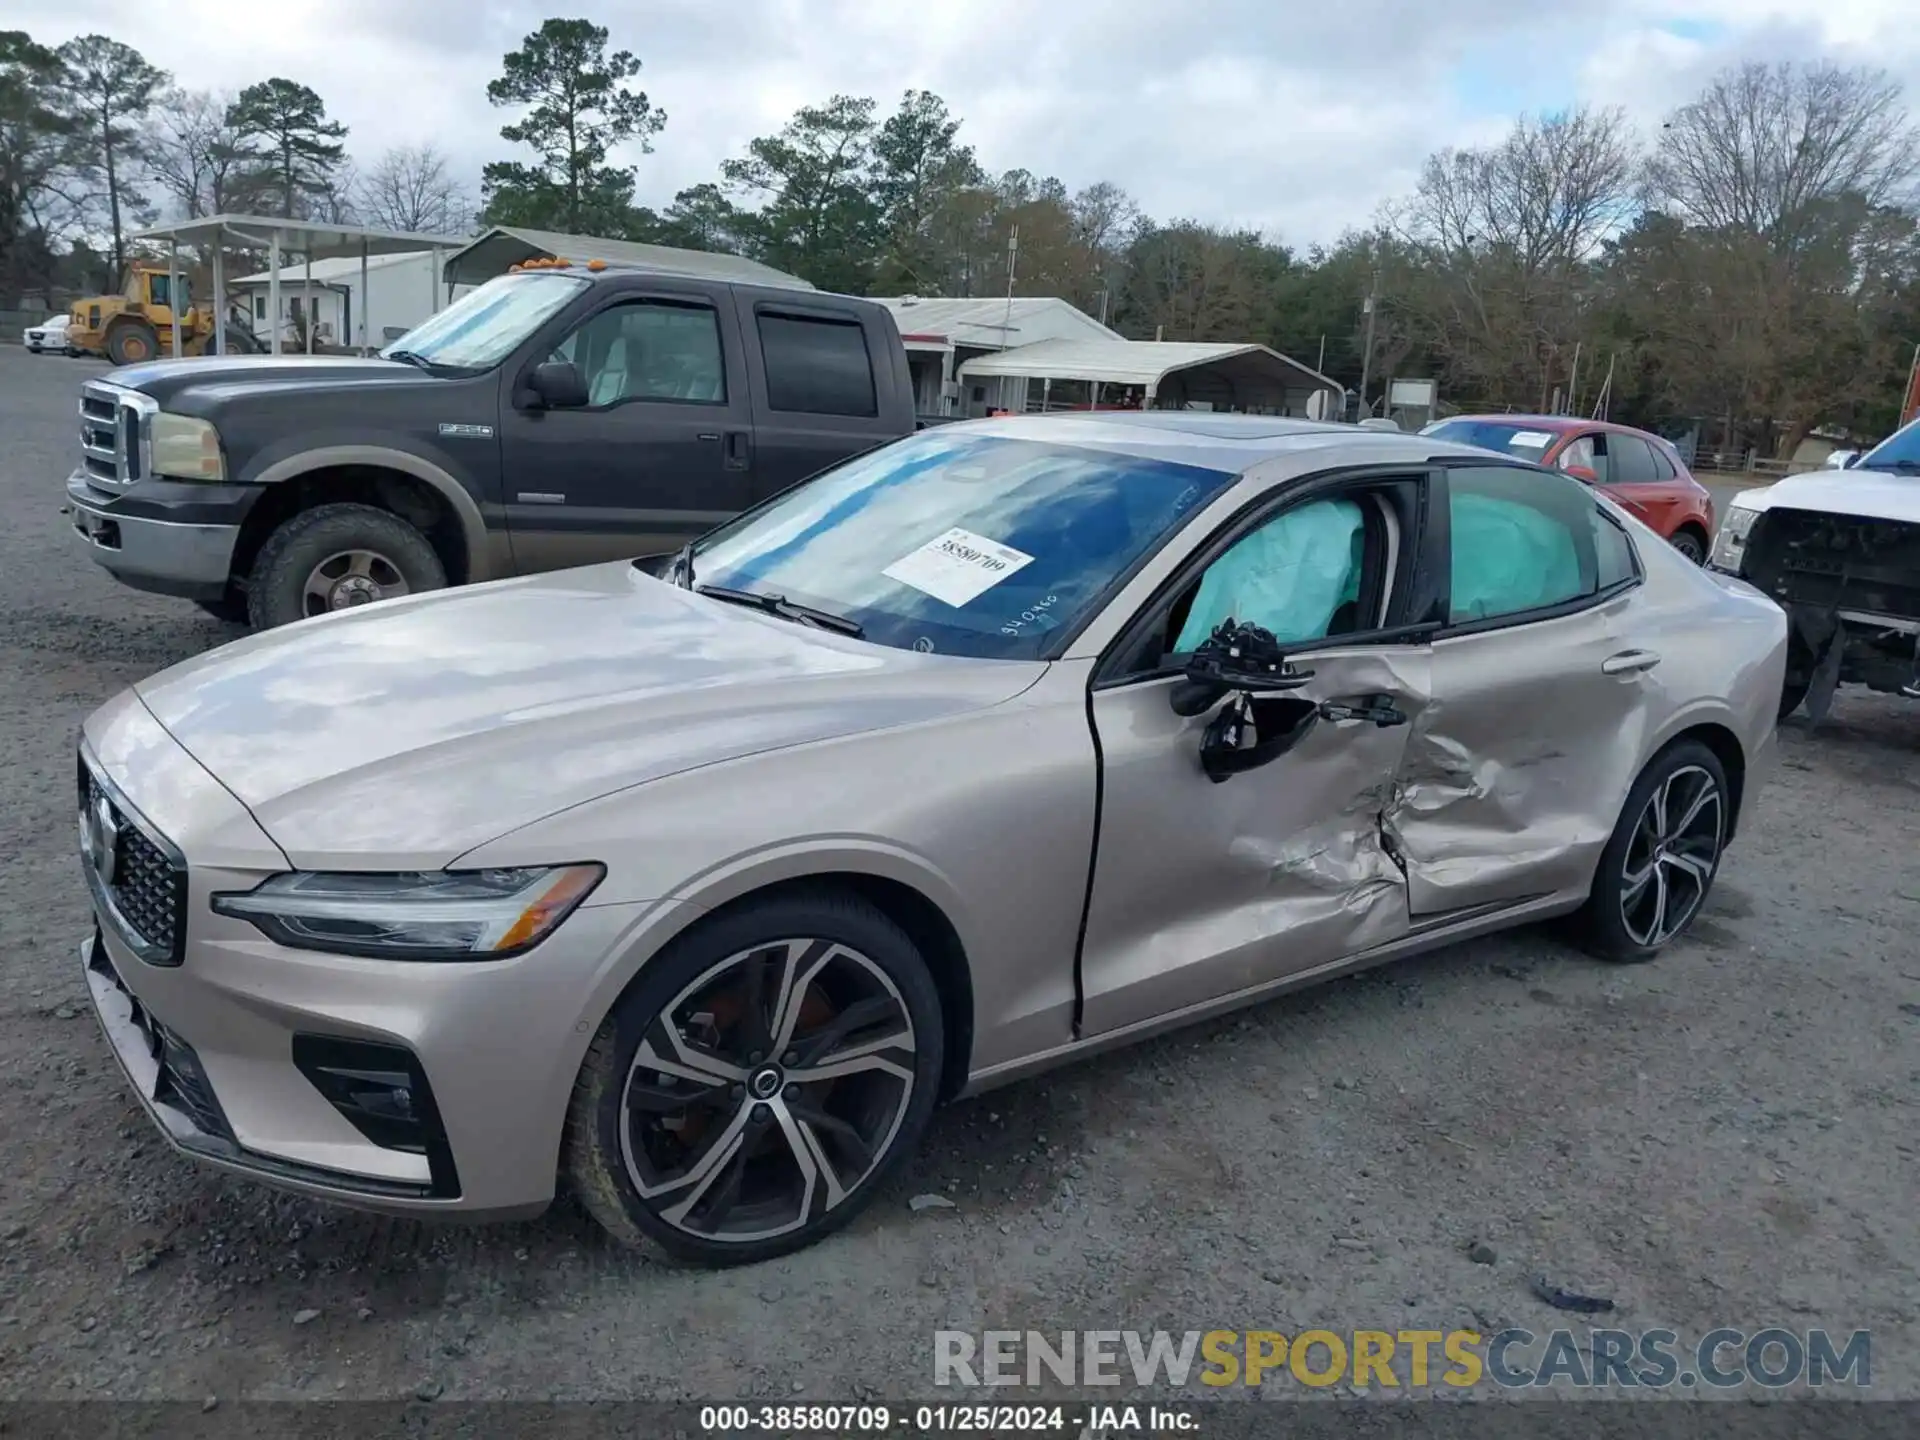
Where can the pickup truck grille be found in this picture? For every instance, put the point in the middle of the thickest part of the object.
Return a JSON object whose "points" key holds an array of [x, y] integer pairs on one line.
{"points": [[114, 434], [1839, 562]]}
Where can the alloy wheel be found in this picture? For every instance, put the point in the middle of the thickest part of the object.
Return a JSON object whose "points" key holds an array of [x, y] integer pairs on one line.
{"points": [[766, 1092], [1689, 545], [349, 578], [1671, 858]]}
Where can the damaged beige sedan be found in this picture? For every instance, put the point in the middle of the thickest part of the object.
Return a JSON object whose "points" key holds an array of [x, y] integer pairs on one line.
{"points": [[694, 886]]}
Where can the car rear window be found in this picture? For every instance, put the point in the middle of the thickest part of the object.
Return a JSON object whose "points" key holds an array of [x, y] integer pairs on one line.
{"points": [[1518, 439]]}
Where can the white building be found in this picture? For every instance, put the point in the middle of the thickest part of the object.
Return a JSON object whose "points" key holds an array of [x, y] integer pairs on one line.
{"points": [[402, 290], [942, 335]]}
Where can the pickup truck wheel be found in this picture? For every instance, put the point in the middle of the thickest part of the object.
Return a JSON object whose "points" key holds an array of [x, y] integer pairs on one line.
{"points": [[230, 608], [335, 557]]}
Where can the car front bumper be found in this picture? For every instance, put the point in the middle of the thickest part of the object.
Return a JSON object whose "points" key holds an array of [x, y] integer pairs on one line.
{"points": [[218, 1045], [166, 547]]}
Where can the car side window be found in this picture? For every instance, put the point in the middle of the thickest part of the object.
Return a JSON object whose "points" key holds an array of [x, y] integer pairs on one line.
{"points": [[1298, 575], [1522, 542], [1632, 461], [649, 350], [1614, 560], [1663, 467], [817, 366]]}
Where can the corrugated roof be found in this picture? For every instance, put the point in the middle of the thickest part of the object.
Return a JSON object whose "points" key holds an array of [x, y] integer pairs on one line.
{"points": [[1120, 362], [507, 245], [301, 236], [340, 267], [982, 320]]}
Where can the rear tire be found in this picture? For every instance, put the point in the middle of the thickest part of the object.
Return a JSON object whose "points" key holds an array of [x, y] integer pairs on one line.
{"points": [[735, 1172], [293, 573], [1660, 864], [132, 342]]}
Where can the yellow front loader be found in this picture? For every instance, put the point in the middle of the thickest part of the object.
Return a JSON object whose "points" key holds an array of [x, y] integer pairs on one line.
{"points": [[137, 325]]}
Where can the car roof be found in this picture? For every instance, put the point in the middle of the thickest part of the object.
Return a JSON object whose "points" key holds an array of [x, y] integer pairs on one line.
{"points": [[1215, 441]]}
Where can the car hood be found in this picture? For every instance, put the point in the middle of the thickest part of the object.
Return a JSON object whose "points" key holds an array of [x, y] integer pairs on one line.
{"points": [[406, 733], [214, 378], [1870, 494]]}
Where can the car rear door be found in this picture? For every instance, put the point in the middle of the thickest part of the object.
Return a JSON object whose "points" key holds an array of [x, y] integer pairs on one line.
{"points": [[821, 383], [660, 452], [1515, 776], [1203, 888], [1643, 483]]}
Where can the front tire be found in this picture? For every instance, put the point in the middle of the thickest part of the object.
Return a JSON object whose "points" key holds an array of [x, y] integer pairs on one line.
{"points": [[132, 342], [1690, 543], [1660, 864], [335, 557], [753, 1090]]}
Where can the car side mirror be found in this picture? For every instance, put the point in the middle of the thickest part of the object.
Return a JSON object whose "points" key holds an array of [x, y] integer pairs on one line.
{"points": [[1235, 659], [1851, 461], [558, 385], [1585, 474]]}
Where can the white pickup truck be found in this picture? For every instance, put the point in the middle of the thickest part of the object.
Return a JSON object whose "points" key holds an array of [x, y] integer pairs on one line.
{"points": [[1839, 550]]}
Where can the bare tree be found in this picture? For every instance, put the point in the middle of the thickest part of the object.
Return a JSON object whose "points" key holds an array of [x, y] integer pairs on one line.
{"points": [[1507, 237], [411, 188], [1765, 146], [197, 157]]}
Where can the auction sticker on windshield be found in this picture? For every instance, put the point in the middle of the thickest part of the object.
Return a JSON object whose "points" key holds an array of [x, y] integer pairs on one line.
{"points": [[957, 567], [1532, 439]]}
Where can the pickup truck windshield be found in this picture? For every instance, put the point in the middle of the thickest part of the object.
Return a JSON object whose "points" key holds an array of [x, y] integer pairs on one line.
{"points": [[959, 544], [481, 329], [1900, 452]]}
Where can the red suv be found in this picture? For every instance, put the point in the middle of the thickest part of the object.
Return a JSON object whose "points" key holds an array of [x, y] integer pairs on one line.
{"points": [[1639, 471]]}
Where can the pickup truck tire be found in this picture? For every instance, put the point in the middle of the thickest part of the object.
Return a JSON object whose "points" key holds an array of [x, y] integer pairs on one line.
{"points": [[230, 608], [333, 556]]}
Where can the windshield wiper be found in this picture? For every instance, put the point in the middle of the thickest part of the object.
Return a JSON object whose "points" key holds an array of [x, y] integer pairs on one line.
{"points": [[409, 357], [1899, 467], [784, 608]]}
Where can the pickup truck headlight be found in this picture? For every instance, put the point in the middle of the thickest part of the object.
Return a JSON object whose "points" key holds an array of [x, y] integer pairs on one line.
{"points": [[186, 449], [1730, 545], [423, 915]]}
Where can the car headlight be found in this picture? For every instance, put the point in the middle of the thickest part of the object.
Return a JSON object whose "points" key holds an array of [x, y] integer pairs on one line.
{"points": [[422, 915], [1730, 544], [186, 449]]}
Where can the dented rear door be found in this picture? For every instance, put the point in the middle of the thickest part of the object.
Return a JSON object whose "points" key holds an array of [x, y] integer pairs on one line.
{"points": [[1203, 889], [1514, 775]]}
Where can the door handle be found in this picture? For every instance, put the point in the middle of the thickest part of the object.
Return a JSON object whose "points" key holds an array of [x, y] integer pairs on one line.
{"points": [[1629, 662], [739, 449], [1376, 709]]}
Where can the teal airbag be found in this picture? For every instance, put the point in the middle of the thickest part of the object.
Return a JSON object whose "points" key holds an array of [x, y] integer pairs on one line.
{"points": [[1289, 576], [1509, 557]]}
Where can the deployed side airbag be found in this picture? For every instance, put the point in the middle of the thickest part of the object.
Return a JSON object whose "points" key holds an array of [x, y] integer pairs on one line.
{"points": [[1509, 557], [1290, 576]]}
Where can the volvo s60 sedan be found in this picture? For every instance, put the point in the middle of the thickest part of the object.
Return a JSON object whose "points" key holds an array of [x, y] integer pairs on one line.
{"points": [[693, 885]]}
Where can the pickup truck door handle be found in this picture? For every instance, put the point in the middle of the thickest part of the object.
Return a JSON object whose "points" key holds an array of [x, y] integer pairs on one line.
{"points": [[739, 449], [1629, 662]]}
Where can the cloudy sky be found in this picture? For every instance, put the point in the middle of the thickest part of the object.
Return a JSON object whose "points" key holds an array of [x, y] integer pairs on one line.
{"points": [[1291, 117]]}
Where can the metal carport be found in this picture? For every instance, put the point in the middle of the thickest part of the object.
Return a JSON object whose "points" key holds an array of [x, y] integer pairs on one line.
{"points": [[1174, 374], [504, 246], [311, 239]]}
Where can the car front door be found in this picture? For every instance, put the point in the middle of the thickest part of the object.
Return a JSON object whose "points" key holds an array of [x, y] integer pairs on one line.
{"points": [[660, 452], [1203, 888], [1514, 778]]}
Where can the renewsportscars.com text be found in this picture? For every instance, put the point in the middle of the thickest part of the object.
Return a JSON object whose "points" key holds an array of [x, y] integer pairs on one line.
{"points": [[1721, 1359]]}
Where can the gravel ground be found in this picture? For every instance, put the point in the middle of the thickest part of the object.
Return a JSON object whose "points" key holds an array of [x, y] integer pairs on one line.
{"points": [[1726, 1137]]}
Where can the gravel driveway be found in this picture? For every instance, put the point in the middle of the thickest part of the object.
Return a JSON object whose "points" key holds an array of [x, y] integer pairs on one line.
{"points": [[1725, 1137]]}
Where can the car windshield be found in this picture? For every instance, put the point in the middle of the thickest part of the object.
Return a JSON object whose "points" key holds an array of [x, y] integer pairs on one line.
{"points": [[1515, 438], [960, 544], [481, 329], [1899, 452]]}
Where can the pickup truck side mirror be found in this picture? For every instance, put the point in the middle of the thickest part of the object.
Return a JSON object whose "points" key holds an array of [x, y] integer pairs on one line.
{"points": [[1585, 474], [558, 385]]}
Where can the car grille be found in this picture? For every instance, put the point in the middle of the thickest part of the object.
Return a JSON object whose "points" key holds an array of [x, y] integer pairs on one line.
{"points": [[1825, 561], [114, 440], [144, 886], [181, 1081]]}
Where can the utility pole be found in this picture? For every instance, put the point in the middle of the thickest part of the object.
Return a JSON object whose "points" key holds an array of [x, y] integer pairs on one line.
{"points": [[1013, 257], [1321, 365], [1366, 352]]}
